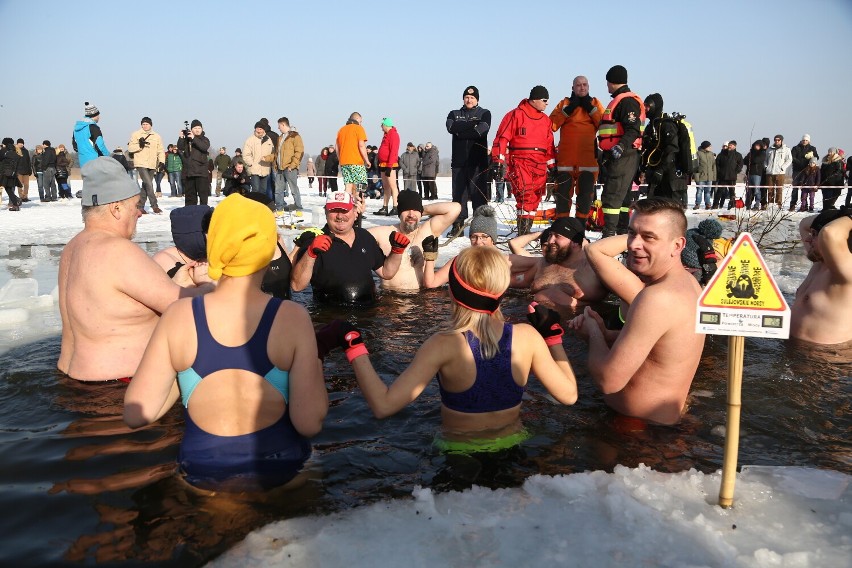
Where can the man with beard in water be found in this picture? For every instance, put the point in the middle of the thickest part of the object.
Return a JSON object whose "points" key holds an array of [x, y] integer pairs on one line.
{"points": [[822, 310], [562, 277], [411, 210]]}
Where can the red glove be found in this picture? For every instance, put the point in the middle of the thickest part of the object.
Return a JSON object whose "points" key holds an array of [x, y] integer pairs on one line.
{"points": [[398, 242], [546, 322], [320, 245]]}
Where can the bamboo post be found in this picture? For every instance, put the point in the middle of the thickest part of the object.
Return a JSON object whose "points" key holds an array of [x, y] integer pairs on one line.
{"points": [[736, 347]]}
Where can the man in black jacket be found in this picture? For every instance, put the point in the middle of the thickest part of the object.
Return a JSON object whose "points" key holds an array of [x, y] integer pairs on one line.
{"points": [[25, 166], [729, 163], [469, 128], [193, 147], [802, 154]]}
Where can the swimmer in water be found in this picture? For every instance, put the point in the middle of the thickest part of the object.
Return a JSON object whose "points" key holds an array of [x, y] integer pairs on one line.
{"points": [[190, 248], [482, 363]]}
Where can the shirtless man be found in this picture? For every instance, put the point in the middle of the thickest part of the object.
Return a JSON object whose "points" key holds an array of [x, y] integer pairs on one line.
{"points": [[822, 310], [411, 210], [562, 277], [645, 369], [111, 294]]}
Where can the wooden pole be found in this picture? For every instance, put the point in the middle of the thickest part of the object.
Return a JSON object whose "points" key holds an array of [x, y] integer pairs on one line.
{"points": [[736, 347]]}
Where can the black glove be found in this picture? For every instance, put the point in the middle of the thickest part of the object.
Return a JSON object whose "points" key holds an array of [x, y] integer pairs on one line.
{"points": [[161, 167], [586, 104], [573, 103], [141, 142], [430, 248], [546, 322], [495, 169], [305, 239]]}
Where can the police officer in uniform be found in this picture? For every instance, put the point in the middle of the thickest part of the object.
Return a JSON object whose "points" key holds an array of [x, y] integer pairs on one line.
{"points": [[620, 140]]}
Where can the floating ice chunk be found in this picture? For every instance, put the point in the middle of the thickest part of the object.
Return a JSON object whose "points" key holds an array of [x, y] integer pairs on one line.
{"points": [[18, 289], [4, 249], [39, 251], [12, 317]]}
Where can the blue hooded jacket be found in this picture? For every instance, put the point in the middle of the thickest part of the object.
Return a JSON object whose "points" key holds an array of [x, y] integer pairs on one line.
{"points": [[88, 141]]}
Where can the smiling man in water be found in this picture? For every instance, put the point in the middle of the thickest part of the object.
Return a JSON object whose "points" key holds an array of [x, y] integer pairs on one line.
{"points": [[645, 369]]}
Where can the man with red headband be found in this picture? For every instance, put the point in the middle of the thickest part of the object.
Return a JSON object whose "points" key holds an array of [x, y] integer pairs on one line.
{"points": [[524, 142]]}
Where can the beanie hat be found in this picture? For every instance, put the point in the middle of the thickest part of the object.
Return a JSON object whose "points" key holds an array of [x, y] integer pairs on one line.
{"points": [[8, 142], [242, 237], [705, 145], [538, 92], [617, 75], [187, 230], [689, 254], [779, 136], [195, 122], [814, 162], [732, 143], [484, 221], [19, 141], [711, 229], [472, 91], [806, 137], [260, 124], [106, 181], [570, 227], [387, 122], [146, 119], [91, 110], [409, 200]]}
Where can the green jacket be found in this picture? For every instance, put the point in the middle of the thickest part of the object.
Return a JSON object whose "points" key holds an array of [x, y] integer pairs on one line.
{"points": [[173, 162]]}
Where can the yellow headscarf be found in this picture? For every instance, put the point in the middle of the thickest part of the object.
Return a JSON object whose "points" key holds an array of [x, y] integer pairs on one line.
{"points": [[241, 239]]}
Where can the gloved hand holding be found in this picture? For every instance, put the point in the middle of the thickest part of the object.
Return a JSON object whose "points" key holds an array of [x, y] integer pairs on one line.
{"points": [[573, 103], [161, 166], [320, 245], [305, 239], [398, 242], [430, 248], [617, 151], [586, 104], [495, 168], [141, 142], [343, 334], [546, 322]]}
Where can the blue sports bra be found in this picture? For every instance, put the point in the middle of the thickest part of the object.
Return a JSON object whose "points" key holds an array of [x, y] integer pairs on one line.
{"points": [[494, 388], [212, 356]]}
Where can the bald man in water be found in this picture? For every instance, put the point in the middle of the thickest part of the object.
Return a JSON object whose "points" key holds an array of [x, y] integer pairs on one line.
{"points": [[111, 293], [822, 311]]}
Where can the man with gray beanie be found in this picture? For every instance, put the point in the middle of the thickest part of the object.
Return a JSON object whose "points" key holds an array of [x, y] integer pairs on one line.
{"points": [[482, 233], [411, 211], [111, 293], [620, 140]]}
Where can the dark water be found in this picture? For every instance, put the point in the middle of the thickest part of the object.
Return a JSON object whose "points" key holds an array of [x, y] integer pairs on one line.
{"points": [[78, 487]]}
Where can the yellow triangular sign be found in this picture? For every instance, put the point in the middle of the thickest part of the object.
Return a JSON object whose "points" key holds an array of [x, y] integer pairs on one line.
{"points": [[743, 282]]}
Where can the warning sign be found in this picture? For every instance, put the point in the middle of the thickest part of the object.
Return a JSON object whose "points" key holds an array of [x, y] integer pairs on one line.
{"points": [[742, 298]]}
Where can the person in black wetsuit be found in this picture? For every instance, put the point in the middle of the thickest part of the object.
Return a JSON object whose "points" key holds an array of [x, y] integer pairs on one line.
{"points": [[339, 264]]}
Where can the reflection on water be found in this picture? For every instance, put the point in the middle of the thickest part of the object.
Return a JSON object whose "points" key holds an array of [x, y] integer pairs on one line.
{"points": [[86, 489]]}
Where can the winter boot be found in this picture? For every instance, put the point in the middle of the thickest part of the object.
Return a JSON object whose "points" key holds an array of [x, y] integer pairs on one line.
{"points": [[382, 211], [610, 225]]}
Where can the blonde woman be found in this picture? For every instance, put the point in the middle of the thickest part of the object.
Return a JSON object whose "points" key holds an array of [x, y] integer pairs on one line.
{"points": [[482, 362]]}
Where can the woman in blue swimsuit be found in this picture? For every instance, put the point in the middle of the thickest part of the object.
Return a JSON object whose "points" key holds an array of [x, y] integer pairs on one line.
{"points": [[482, 363], [244, 364]]}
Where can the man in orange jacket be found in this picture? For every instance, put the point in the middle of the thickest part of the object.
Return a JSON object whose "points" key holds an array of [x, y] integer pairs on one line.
{"points": [[524, 142], [577, 119]]}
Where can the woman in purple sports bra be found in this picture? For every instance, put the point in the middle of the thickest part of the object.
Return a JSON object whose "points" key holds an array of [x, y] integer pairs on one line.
{"points": [[244, 364], [482, 363]]}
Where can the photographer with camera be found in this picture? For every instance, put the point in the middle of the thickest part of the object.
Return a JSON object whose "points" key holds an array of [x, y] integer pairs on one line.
{"points": [[148, 157], [193, 146]]}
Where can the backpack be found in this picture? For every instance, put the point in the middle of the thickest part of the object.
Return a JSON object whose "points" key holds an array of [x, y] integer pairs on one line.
{"points": [[687, 155]]}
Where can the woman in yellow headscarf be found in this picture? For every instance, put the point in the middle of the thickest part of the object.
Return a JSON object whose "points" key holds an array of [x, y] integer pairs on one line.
{"points": [[249, 376]]}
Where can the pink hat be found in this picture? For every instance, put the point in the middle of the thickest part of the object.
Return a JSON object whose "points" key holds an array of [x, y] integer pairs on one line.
{"points": [[339, 200]]}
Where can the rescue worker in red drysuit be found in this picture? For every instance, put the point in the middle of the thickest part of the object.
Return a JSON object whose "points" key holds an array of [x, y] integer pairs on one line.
{"points": [[577, 119], [524, 141], [620, 140]]}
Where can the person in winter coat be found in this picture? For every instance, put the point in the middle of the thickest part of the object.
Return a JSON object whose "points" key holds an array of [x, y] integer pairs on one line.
{"points": [[809, 180], [755, 164], [729, 163], [660, 146], [778, 159], [193, 149], [148, 155], [705, 176], [332, 168], [320, 164], [288, 157], [63, 171], [38, 169], [49, 164], [524, 142], [259, 154], [429, 170], [409, 162], [25, 166], [802, 153], [87, 140], [831, 178], [311, 172], [174, 167], [222, 162], [10, 155], [387, 157], [237, 179]]}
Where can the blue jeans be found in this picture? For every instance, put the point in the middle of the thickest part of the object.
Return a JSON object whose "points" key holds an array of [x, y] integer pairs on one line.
{"points": [[258, 183], [174, 181], [705, 189], [757, 191]]}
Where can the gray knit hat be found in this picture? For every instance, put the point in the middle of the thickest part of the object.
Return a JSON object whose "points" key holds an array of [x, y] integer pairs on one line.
{"points": [[91, 110], [484, 222]]}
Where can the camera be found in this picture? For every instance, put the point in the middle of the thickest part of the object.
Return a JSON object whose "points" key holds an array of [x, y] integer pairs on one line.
{"points": [[186, 129]]}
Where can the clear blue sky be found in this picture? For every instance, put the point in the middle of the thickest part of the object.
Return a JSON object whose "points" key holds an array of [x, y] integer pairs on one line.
{"points": [[737, 69]]}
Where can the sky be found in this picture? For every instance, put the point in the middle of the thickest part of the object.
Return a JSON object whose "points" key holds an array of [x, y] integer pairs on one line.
{"points": [[737, 70]]}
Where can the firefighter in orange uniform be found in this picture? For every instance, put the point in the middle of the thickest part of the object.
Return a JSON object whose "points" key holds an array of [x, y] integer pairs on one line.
{"points": [[577, 119]]}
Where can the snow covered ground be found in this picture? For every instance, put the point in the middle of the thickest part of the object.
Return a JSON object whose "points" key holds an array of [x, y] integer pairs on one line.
{"points": [[783, 517]]}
